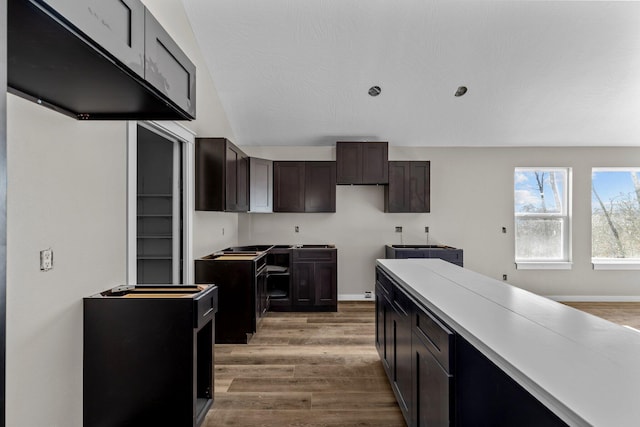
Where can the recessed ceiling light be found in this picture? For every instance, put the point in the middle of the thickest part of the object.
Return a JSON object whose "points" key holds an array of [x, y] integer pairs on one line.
{"points": [[374, 90], [461, 90]]}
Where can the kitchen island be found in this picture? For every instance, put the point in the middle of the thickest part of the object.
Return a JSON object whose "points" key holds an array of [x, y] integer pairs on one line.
{"points": [[509, 357]]}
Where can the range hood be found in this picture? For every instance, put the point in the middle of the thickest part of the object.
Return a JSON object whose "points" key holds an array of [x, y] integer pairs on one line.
{"points": [[51, 62]]}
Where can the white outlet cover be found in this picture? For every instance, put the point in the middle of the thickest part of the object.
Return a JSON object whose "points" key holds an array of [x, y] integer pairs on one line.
{"points": [[46, 259]]}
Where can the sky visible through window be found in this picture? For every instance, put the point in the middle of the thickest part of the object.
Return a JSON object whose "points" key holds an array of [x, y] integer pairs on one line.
{"points": [[539, 191], [615, 213]]}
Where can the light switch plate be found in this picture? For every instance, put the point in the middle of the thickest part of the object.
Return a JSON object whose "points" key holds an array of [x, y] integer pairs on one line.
{"points": [[46, 259]]}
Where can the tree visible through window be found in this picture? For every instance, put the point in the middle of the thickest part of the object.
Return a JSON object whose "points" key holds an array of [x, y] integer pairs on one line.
{"points": [[615, 213], [541, 214]]}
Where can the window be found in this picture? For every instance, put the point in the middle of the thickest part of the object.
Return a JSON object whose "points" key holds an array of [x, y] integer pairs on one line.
{"points": [[541, 207], [615, 217]]}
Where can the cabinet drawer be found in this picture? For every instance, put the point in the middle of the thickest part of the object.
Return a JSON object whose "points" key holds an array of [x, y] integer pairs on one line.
{"points": [[206, 305], [314, 254], [385, 283], [436, 337], [402, 304]]}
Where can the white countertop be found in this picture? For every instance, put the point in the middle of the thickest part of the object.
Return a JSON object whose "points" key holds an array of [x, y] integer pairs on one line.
{"points": [[584, 368]]}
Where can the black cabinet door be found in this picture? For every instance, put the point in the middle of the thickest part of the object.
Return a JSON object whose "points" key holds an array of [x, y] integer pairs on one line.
{"points": [[167, 68], [409, 187], [117, 26], [362, 162], [401, 368], [237, 179], [303, 284], [288, 186], [384, 327], [349, 162], [374, 163], [432, 388], [325, 283], [320, 187], [222, 176]]}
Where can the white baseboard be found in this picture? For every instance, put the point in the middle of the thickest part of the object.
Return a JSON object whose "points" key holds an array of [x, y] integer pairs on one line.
{"points": [[594, 298], [355, 297]]}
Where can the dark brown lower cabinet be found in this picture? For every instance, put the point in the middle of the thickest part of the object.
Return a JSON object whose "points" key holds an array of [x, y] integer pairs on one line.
{"points": [[440, 379], [148, 356], [314, 280]]}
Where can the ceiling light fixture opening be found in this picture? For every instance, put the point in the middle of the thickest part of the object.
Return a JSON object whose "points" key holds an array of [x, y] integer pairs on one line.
{"points": [[374, 90], [461, 91]]}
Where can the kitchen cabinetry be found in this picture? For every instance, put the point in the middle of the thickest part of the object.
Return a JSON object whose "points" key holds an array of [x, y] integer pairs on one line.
{"points": [[222, 174], [117, 26], [241, 280], [148, 355], [315, 279], [409, 187], [304, 186], [362, 162], [439, 378], [260, 185], [447, 253], [98, 60], [167, 68], [279, 278]]}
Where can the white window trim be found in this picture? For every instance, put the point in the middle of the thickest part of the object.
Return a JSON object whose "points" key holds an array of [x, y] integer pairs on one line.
{"points": [[176, 131], [565, 215], [615, 264], [528, 265]]}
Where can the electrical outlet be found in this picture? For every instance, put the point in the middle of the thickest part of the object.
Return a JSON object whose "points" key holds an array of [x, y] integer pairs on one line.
{"points": [[398, 229], [504, 277], [426, 229], [368, 294], [46, 259], [297, 229]]}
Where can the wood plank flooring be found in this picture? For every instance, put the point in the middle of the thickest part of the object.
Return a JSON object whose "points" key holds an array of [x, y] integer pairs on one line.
{"points": [[306, 370], [322, 369], [622, 313]]}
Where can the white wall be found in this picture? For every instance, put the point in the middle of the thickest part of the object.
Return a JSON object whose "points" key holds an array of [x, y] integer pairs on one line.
{"points": [[471, 199], [67, 191]]}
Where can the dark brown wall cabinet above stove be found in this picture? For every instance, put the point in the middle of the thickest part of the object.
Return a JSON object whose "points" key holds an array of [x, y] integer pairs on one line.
{"points": [[362, 162], [148, 356], [222, 176], [409, 187], [98, 59], [300, 186]]}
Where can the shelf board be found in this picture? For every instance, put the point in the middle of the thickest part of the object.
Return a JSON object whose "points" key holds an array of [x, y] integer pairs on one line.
{"points": [[154, 216], [160, 195], [155, 236], [153, 257]]}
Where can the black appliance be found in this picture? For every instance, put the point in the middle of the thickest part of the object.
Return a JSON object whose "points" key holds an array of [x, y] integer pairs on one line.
{"points": [[148, 355]]}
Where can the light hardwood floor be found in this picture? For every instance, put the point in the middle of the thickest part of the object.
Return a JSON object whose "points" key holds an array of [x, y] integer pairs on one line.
{"points": [[306, 370], [322, 369]]}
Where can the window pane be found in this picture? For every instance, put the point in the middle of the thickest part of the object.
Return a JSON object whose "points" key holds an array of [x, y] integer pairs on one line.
{"points": [[539, 239], [540, 191], [615, 214]]}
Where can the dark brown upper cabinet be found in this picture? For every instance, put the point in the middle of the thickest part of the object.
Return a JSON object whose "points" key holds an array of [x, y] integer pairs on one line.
{"points": [[409, 187], [97, 59], [362, 162], [304, 186], [222, 176]]}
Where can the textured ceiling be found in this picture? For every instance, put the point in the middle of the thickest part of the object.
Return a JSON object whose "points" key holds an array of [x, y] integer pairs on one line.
{"points": [[539, 73]]}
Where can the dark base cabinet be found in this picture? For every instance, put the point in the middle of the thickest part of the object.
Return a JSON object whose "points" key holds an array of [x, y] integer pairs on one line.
{"points": [[440, 379], [447, 253], [242, 285], [315, 280], [148, 356]]}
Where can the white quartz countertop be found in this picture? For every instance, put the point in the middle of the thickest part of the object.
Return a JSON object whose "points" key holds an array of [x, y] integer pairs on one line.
{"points": [[584, 368]]}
